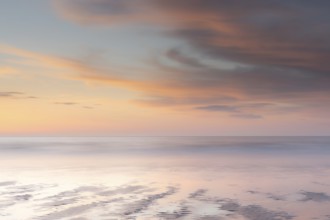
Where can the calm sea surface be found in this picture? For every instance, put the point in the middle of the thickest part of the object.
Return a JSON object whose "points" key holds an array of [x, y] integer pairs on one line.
{"points": [[248, 178]]}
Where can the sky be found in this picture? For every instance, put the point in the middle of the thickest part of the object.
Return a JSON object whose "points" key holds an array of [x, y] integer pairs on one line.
{"points": [[164, 67]]}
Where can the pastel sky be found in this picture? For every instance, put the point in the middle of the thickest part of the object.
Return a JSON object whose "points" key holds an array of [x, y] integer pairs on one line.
{"points": [[164, 67]]}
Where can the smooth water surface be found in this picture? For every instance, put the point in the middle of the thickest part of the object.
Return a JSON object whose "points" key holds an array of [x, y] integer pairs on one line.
{"points": [[252, 178]]}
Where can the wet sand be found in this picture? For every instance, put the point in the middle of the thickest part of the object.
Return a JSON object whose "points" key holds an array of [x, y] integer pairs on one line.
{"points": [[231, 183]]}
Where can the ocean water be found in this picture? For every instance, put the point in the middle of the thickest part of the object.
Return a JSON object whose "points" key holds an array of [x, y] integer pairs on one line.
{"points": [[203, 178]]}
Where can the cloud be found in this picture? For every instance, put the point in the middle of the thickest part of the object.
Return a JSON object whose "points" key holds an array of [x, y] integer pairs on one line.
{"points": [[176, 55], [88, 72], [5, 70], [291, 34], [278, 50], [184, 101], [21, 95], [259, 82], [271, 33], [246, 116], [16, 95], [218, 108], [68, 67], [10, 94], [76, 104], [102, 12], [238, 111], [192, 88], [270, 30], [65, 103], [88, 107], [315, 196], [273, 90]]}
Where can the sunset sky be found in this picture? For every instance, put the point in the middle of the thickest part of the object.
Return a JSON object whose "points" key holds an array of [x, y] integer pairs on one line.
{"points": [[164, 67]]}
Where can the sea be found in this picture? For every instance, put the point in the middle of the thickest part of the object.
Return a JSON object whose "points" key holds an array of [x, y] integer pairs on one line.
{"points": [[147, 178]]}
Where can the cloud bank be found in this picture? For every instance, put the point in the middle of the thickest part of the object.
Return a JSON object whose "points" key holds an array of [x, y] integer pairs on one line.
{"points": [[234, 54]]}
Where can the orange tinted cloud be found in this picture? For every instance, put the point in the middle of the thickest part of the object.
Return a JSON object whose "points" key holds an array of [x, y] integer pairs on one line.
{"points": [[4, 70], [279, 51], [167, 90]]}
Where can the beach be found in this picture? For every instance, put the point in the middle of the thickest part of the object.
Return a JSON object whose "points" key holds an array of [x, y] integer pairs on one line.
{"points": [[256, 178]]}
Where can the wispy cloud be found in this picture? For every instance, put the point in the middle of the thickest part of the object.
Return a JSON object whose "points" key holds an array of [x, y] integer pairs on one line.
{"points": [[200, 85], [10, 94], [6, 70], [21, 95], [16, 95], [247, 116], [219, 108], [237, 111], [78, 104], [100, 12], [66, 103], [273, 60], [258, 32], [279, 48]]}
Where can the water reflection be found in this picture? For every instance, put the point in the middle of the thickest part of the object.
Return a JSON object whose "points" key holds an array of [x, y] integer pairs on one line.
{"points": [[165, 178]]}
